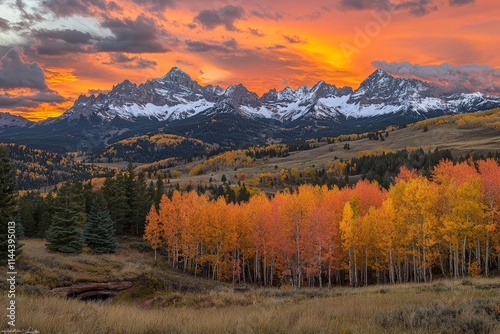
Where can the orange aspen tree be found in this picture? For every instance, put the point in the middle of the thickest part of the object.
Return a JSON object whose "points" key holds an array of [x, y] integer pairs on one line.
{"points": [[153, 230]]}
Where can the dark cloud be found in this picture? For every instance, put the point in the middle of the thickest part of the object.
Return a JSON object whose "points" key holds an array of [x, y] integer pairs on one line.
{"points": [[460, 2], [68, 35], [201, 47], [16, 73], [256, 32], [27, 17], [62, 42], [55, 47], [267, 15], [232, 43], [365, 4], [414, 7], [464, 78], [276, 47], [133, 36], [417, 7], [30, 101], [294, 39], [225, 16], [191, 26], [124, 61], [66, 8], [4, 24], [155, 5]]}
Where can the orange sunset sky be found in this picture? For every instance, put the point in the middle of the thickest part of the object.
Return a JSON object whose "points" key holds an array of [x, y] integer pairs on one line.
{"points": [[51, 51]]}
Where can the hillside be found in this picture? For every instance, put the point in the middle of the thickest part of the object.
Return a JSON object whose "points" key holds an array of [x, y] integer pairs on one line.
{"points": [[152, 147], [37, 168], [477, 133]]}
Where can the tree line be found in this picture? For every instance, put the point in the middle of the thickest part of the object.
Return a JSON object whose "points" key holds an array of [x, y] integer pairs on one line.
{"points": [[447, 225]]}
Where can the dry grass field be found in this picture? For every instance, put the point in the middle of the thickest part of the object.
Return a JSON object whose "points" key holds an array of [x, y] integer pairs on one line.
{"points": [[442, 307], [170, 302]]}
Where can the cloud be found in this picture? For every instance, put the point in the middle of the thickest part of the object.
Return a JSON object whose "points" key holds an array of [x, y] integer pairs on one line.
{"points": [[27, 17], [68, 35], [276, 47], [28, 78], [124, 61], [417, 7], [67, 8], [4, 24], [365, 4], [231, 43], [155, 5], [460, 2], [294, 39], [228, 46], [267, 14], [414, 7], [463, 78], [16, 73], [61, 42], [30, 101], [133, 36], [256, 32], [225, 16]]}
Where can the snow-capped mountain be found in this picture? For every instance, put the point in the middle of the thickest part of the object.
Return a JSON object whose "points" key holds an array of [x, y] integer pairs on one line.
{"points": [[176, 96], [9, 120], [236, 116]]}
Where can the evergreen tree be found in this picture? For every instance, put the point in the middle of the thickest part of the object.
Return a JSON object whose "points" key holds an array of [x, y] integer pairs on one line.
{"points": [[65, 233], [160, 191], [99, 232], [140, 204], [114, 193], [7, 208]]}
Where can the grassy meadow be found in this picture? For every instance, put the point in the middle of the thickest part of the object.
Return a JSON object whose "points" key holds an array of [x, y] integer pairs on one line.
{"points": [[165, 301]]}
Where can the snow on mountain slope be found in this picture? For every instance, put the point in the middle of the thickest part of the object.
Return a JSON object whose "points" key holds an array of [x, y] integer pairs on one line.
{"points": [[176, 96]]}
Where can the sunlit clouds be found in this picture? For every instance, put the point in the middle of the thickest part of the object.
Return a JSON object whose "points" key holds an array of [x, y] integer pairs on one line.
{"points": [[52, 51]]}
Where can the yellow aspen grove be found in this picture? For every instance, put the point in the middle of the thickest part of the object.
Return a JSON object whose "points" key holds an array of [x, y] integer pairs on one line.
{"points": [[153, 231], [348, 230]]}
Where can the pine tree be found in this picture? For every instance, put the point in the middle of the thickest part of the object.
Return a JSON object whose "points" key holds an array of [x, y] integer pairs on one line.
{"points": [[140, 204], [7, 207], [114, 192], [99, 232], [65, 233], [160, 191]]}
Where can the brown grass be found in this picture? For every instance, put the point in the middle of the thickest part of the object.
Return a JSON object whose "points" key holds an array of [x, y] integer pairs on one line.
{"points": [[165, 301], [341, 310]]}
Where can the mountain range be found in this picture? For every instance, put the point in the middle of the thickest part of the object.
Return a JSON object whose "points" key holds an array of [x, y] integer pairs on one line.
{"points": [[235, 116]]}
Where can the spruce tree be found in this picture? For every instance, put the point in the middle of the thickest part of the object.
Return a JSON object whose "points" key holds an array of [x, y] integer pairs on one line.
{"points": [[99, 232], [65, 233], [8, 201], [114, 192], [140, 204]]}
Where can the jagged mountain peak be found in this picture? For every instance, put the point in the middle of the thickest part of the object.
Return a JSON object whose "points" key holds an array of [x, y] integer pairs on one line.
{"points": [[175, 73]]}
